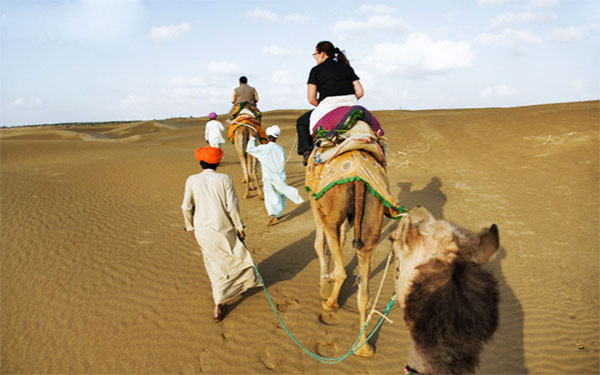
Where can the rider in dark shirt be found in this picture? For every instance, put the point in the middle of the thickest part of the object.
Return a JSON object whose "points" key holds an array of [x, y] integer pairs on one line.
{"points": [[332, 78]]}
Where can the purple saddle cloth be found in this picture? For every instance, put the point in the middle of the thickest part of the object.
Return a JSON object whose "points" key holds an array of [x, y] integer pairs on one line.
{"points": [[342, 119]]}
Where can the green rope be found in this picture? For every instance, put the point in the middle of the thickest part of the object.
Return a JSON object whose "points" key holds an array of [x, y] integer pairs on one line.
{"points": [[326, 360]]}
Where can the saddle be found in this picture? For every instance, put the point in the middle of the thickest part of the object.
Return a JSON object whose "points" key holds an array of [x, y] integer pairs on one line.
{"points": [[348, 128], [245, 114]]}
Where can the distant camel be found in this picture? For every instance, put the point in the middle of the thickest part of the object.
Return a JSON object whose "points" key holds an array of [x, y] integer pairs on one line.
{"points": [[248, 162], [341, 205], [450, 302]]}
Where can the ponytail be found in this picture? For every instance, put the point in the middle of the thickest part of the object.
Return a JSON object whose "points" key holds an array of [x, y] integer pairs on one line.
{"points": [[332, 52]]}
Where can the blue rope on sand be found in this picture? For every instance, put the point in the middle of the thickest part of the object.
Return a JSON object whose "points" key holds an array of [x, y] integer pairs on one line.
{"points": [[326, 360]]}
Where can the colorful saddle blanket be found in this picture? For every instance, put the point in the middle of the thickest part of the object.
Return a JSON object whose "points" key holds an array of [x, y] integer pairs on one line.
{"points": [[340, 120], [238, 108], [246, 117], [360, 137], [351, 166]]}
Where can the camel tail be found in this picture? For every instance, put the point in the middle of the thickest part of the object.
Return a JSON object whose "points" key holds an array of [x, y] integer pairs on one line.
{"points": [[359, 205]]}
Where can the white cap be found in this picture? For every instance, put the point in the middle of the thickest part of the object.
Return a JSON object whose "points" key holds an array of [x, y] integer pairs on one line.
{"points": [[273, 131]]}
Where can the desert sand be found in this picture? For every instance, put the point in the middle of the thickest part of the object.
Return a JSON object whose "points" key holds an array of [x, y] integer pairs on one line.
{"points": [[98, 276]]}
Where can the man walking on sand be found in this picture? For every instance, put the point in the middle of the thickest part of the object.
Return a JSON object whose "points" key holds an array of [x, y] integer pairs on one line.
{"points": [[272, 162], [211, 214]]}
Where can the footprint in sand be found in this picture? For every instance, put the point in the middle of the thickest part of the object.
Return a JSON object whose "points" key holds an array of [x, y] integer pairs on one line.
{"points": [[288, 305], [329, 318], [267, 358], [326, 349]]}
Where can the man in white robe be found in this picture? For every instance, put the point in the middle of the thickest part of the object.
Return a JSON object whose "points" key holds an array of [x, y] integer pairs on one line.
{"points": [[213, 131], [272, 161], [211, 214]]}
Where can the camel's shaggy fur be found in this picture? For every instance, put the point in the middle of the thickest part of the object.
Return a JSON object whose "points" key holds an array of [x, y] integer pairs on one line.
{"points": [[450, 302]]}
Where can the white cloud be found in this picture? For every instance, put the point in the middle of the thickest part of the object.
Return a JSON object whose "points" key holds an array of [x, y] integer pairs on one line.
{"points": [[492, 2], [262, 15], [25, 103], [568, 34], [420, 54], [163, 33], [267, 15], [512, 18], [498, 91], [545, 3], [354, 28], [224, 68], [517, 40], [276, 50]]}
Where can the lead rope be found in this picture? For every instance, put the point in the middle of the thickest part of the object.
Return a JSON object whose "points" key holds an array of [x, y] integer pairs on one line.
{"points": [[354, 347]]}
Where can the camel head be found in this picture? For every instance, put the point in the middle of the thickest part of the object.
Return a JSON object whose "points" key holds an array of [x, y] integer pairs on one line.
{"points": [[450, 302], [421, 243]]}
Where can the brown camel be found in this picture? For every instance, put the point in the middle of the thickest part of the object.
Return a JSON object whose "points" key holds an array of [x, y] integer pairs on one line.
{"points": [[248, 162], [450, 302], [339, 206]]}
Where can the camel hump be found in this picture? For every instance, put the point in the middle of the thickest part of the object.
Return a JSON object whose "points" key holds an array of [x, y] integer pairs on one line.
{"points": [[359, 203]]}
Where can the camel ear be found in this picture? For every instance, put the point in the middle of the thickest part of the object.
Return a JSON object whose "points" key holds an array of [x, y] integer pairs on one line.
{"points": [[420, 215], [406, 233], [489, 242]]}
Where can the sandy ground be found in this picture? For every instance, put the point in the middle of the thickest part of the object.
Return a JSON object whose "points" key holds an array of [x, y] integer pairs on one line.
{"points": [[97, 275]]}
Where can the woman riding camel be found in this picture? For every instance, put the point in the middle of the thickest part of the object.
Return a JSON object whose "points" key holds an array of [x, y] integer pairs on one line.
{"points": [[336, 84]]}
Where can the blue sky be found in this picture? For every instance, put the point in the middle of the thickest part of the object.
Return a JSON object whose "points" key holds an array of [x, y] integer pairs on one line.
{"points": [[105, 60]]}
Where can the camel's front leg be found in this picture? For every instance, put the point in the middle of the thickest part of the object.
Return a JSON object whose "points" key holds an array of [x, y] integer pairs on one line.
{"points": [[364, 269]]}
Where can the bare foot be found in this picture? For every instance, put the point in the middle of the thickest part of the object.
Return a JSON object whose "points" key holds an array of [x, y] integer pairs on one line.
{"points": [[272, 220]]}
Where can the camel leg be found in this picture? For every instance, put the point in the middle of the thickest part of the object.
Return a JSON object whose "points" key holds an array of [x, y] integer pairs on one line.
{"points": [[247, 175], [253, 167], [321, 250], [371, 229], [364, 269], [339, 273], [343, 230]]}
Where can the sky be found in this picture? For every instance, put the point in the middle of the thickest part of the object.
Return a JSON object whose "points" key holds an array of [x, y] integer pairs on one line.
{"points": [[120, 60]]}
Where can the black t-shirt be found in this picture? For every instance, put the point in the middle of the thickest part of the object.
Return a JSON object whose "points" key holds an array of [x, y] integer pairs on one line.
{"points": [[332, 78]]}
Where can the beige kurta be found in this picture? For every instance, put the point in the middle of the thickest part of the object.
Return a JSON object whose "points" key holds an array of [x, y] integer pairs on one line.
{"points": [[210, 209]]}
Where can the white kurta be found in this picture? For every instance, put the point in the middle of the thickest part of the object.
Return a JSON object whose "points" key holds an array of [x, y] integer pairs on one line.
{"points": [[210, 209], [272, 161], [212, 133]]}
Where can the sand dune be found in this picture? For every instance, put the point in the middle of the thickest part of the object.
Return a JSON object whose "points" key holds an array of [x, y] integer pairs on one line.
{"points": [[97, 275]]}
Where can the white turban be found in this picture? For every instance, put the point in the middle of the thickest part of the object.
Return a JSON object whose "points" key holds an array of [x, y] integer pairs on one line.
{"points": [[273, 131]]}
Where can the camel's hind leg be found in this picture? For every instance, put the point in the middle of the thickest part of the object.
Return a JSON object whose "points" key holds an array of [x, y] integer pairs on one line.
{"points": [[330, 212], [254, 175], [321, 250], [370, 228]]}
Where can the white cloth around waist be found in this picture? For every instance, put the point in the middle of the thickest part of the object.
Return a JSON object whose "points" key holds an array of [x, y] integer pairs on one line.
{"points": [[328, 104]]}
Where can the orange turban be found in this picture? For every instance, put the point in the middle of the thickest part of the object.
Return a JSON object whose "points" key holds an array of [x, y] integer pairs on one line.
{"points": [[211, 155]]}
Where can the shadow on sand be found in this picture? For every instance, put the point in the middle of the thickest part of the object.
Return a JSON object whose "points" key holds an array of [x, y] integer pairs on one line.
{"points": [[505, 352]]}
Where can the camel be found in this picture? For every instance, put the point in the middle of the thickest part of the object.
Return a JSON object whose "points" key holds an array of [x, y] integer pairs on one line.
{"points": [[338, 207], [248, 162], [450, 302]]}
